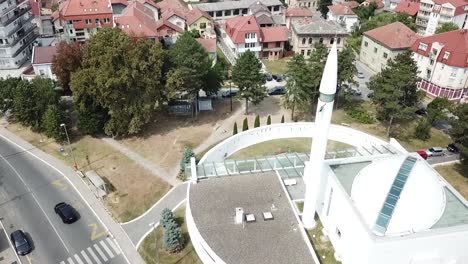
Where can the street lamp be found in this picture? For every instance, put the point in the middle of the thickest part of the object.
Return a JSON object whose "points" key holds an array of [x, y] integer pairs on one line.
{"points": [[69, 145]]}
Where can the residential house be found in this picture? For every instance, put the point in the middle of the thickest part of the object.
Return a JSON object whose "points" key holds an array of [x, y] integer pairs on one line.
{"points": [[384, 43], [274, 41], [380, 5], [307, 32], [202, 22], [407, 7], [209, 44], [138, 20], [42, 62], [296, 13], [442, 60], [79, 19], [311, 4], [228, 9], [177, 17], [432, 14], [241, 34], [344, 15], [16, 33], [262, 14]]}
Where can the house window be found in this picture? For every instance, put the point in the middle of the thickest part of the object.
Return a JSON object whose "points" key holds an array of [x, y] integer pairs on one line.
{"points": [[446, 55], [278, 44], [244, 11], [385, 55], [276, 8], [338, 41], [332, 40], [338, 232], [169, 31], [454, 72], [236, 12], [422, 46], [303, 40], [41, 72], [321, 40], [106, 20], [366, 44], [202, 25], [308, 52], [71, 31], [432, 62], [227, 12], [211, 13], [249, 45], [265, 45], [310, 40], [97, 21], [250, 35], [88, 21], [219, 13], [302, 52]]}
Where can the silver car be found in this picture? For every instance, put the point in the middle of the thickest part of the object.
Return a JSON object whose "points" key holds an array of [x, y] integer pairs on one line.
{"points": [[435, 151]]}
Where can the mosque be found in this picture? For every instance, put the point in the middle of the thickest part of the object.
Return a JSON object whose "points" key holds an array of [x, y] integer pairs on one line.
{"points": [[378, 203]]}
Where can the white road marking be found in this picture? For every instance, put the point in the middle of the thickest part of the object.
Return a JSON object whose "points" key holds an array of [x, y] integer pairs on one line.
{"points": [[96, 247], [83, 253], [70, 260], [78, 259], [91, 252], [35, 199], [114, 247], [106, 248]]}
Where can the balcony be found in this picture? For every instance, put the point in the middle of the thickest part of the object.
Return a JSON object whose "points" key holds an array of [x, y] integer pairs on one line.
{"points": [[20, 25], [422, 7], [21, 36], [27, 41], [19, 13]]}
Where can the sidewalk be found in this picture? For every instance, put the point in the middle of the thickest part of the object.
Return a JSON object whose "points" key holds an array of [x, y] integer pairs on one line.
{"points": [[7, 253], [115, 230], [138, 228]]}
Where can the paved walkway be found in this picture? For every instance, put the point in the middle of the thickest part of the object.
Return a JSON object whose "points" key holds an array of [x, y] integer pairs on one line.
{"points": [[138, 228], [114, 228], [153, 168]]}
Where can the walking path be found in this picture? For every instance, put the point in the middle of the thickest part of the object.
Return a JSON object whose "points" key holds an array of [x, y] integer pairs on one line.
{"points": [[138, 228], [153, 168], [115, 229]]}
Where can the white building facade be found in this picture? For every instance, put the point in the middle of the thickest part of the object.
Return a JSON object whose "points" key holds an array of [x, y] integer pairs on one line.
{"points": [[432, 14], [343, 15]]}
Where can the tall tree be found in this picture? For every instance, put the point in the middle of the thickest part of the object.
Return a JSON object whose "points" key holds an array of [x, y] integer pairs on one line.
{"points": [[383, 19], [51, 121], [7, 92], [395, 93], [67, 61], [316, 64], [459, 133], [346, 72], [437, 110], [31, 100], [446, 27], [323, 7], [248, 78], [299, 85], [365, 12], [173, 239]]}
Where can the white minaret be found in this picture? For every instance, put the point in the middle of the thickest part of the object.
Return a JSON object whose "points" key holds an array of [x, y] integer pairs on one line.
{"points": [[314, 168]]}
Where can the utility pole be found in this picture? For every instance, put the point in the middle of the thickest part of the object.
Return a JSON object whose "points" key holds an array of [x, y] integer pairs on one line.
{"points": [[69, 145]]}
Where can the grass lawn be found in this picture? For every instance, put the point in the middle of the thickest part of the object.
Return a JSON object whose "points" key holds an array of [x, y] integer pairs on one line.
{"points": [[323, 249], [276, 66], [148, 248], [300, 206], [453, 173], [277, 146], [135, 188]]}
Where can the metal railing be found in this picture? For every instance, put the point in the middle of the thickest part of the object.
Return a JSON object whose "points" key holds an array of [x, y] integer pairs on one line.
{"points": [[13, 18]]}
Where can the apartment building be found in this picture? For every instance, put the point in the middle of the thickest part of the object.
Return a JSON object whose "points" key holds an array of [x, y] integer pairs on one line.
{"points": [[306, 32], [432, 14], [443, 64], [229, 9], [17, 33]]}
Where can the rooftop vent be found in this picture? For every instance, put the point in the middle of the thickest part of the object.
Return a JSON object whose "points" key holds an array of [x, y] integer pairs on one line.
{"points": [[267, 216], [239, 215], [250, 218]]}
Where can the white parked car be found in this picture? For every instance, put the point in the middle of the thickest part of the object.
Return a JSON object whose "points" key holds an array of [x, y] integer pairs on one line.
{"points": [[435, 151], [360, 75]]}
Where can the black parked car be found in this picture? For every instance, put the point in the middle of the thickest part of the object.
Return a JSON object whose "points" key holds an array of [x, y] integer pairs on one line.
{"points": [[279, 78], [278, 90], [421, 112], [20, 242], [370, 95], [268, 77], [228, 94], [452, 148], [66, 212]]}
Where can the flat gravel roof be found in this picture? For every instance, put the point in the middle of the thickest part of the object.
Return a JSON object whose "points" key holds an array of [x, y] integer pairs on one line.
{"points": [[213, 203]]}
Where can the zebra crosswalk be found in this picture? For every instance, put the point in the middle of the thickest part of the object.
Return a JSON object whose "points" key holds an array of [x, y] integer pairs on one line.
{"points": [[99, 253]]}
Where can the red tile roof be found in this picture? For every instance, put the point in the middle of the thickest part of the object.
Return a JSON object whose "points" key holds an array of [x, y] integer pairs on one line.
{"points": [[379, 3], [352, 4], [195, 14], [43, 55], [164, 22], [237, 27], [149, 2], [393, 36], [410, 8], [137, 19], [122, 2], [274, 34], [85, 7], [341, 10], [458, 4], [172, 4], [208, 44], [455, 42], [297, 11]]}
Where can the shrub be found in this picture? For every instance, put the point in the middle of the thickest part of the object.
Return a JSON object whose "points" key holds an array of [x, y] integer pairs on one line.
{"points": [[423, 130], [361, 115], [257, 121], [188, 153], [234, 130], [245, 125], [282, 119], [173, 240], [166, 217], [51, 121], [269, 120]]}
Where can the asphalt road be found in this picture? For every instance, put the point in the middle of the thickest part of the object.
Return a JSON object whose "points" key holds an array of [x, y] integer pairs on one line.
{"points": [[29, 190]]}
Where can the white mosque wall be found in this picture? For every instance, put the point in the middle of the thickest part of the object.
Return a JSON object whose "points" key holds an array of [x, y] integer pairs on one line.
{"points": [[250, 137], [354, 243]]}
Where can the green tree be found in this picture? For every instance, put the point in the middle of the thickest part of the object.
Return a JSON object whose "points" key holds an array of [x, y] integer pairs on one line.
{"points": [[446, 27], [459, 133], [346, 71], [51, 121], [323, 7], [7, 92], [316, 66], [269, 120], [31, 100], [67, 60], [383, 19], [248, 78], [282, 119], [173, 240], [299, 85], [186, 156], [395, 93], [166, 217], [365, 12], [423, 130], [257, 121], [194, 33], [245, 125], [437, 110], [234, 130]]}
